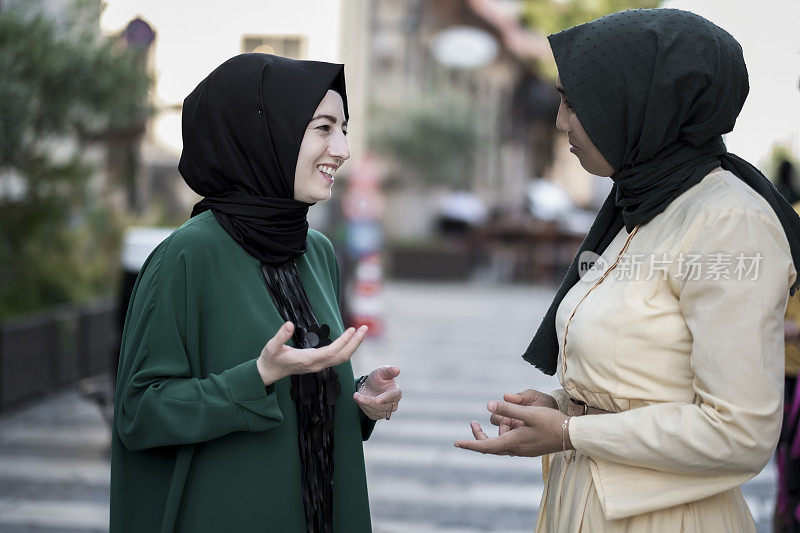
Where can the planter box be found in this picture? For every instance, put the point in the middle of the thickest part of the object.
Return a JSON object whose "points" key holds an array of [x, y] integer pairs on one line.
{"points": [[98, 337], [65, 353], [27, 350], [431, 264], [44, 352]]}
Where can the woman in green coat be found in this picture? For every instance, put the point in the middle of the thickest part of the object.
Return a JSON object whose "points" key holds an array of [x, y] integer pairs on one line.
{"points": [[219, 424]]}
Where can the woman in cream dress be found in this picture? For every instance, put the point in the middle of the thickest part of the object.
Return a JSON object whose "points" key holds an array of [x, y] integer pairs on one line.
{"points": [[667, 331]]}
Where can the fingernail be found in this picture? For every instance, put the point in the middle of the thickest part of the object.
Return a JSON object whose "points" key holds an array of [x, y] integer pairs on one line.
{"points": [[492, 406]]}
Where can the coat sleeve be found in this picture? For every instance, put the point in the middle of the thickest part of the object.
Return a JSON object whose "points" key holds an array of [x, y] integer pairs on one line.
{"points": [[672, 453], [562, 399], [161, 401]]}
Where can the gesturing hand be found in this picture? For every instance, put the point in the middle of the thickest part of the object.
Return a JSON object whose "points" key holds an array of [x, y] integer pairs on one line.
{"points": [[278, 360], [380, 395], [538, 434], [527, 397]]}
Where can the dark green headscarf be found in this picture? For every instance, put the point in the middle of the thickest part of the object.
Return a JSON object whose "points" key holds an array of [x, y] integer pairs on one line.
{"points": [[654, 89]]}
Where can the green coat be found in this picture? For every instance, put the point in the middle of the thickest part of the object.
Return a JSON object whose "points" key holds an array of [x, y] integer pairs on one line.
{"points": [[199, 444]]}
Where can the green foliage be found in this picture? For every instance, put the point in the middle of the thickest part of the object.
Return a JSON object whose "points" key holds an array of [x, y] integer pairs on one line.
{"points": [[62, 86], [551, 16], [779, 153], [430, 144]]}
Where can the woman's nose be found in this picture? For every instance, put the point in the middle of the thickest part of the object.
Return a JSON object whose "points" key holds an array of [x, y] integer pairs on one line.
{"points": [[339, 147], [562, 119]]}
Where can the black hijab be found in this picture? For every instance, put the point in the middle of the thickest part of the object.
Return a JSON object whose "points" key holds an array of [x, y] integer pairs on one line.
{"points": [[242, 129], [654, 89]]}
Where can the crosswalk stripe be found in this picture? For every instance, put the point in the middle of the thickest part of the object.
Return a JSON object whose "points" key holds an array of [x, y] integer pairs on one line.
{"points": [[488, 495], [48, 513], [87, 471], [448, 458], [90, 436], [398, 526]]}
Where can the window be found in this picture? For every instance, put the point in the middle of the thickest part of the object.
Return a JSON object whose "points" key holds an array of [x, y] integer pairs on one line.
{"points": [[292, 46]]}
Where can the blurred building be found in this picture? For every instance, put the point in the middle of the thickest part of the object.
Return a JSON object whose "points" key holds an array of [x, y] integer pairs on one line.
{"points": [[396, 52], [477, 52], [194, 38]]}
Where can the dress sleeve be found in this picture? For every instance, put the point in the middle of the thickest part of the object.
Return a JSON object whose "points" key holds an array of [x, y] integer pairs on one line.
{"points": [[730, 431], [160, 401], [562, 399]]}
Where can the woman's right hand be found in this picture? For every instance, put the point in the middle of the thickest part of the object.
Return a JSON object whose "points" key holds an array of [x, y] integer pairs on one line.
{"points": [[527, 397], [278, 360]]}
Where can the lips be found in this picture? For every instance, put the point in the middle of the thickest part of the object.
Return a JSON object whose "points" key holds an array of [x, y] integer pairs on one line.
{"points": [[327, 171]]}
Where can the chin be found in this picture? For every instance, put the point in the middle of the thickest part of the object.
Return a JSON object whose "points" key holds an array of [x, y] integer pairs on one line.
{"points": [[323, 196], [595, 171]]}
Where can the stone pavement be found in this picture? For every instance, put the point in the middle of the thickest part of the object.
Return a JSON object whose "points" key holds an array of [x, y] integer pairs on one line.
{"points": [[458, 347]]}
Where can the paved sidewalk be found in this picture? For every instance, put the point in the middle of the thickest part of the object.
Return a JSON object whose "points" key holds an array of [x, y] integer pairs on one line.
{"points": [[458, 347]]}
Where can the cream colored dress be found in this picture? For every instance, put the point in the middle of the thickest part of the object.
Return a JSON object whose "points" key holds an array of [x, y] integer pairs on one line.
{"points": [[690, 360]]}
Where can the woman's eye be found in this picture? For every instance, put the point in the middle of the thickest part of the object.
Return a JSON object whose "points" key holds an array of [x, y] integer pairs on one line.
{"points": [[344, 132], [567, 104], [324, 127]]}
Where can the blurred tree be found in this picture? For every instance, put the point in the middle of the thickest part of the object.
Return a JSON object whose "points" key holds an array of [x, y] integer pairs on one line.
{"points": [[780, 152], [430, 144], [551, 16], [63, 87]]}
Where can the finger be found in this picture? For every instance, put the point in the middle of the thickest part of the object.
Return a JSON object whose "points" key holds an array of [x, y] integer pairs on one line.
{"points": [[388, 372], [529, 396], [283, 334], [499, 420], [477, 431], [389, 396], [364, 401], [340, 342], [349, 349], [526, 397], [336, 352], [496, 446], [514, 397], [510, 410], [503, 429]]}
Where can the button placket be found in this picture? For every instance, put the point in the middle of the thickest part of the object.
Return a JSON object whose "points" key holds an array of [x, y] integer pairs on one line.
{"points": [[598, 282]]}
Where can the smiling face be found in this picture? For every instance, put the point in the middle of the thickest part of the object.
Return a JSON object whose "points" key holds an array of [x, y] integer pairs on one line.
{"points": [[322, 152], [587, 153]]}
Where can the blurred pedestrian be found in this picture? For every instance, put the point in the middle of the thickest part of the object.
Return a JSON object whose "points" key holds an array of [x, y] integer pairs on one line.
{"points": [[219, 425], [785, 182], [677, 361], [787, 504]]}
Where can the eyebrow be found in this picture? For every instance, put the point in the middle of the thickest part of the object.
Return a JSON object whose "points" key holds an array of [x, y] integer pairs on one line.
{"points": [[329, 117], [561, 90]]}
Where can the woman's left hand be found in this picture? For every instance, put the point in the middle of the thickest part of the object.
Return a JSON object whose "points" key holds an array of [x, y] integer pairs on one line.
{"points": [[380, 395], [538, 434]]}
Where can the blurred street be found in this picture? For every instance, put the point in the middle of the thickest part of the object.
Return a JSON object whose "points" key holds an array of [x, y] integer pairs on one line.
{"points": [[458, 346]]}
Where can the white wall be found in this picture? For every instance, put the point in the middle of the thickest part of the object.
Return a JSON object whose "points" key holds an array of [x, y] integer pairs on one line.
{"points": [[194, 37]]}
